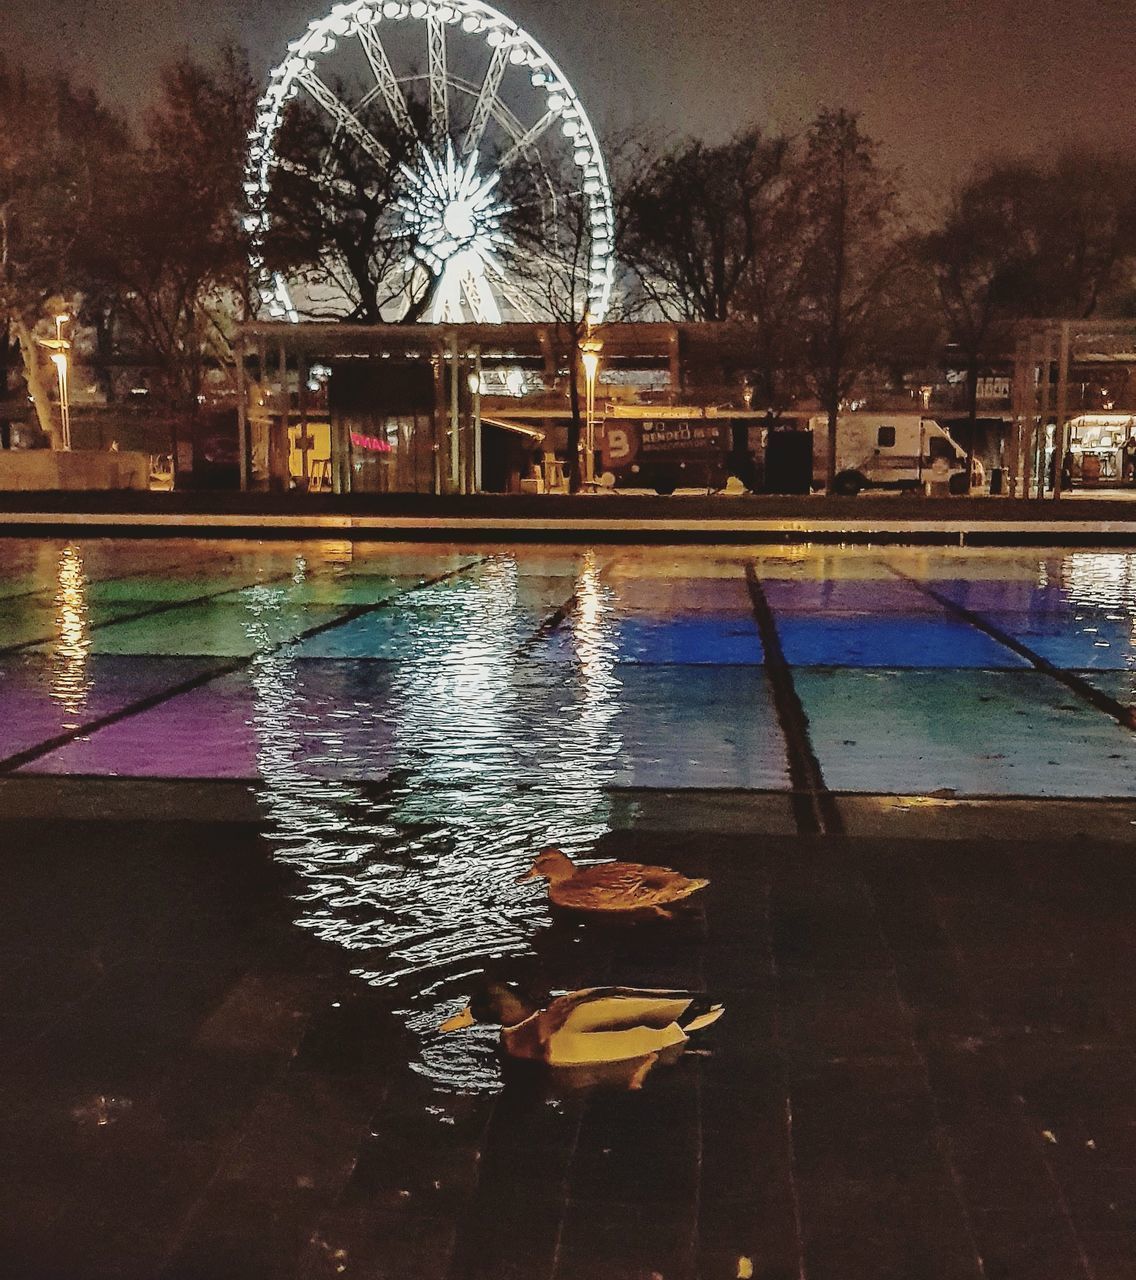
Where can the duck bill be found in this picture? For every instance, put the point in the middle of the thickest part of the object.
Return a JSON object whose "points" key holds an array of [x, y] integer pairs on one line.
{"points": [[530, 874], [458, 1021]]}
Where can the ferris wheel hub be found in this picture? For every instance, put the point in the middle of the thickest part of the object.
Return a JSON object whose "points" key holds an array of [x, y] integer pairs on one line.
{"points": [[459, 220]]}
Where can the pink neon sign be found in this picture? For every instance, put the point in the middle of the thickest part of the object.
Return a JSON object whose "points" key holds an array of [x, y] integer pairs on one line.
{"points": [[375, 443]]}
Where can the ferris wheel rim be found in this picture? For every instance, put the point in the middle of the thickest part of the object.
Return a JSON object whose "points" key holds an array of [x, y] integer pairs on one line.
{"points": [[512, 45]]}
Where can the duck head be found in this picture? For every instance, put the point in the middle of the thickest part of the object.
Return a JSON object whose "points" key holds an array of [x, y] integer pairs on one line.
{"points": [[551, 863], [497, 1005]]}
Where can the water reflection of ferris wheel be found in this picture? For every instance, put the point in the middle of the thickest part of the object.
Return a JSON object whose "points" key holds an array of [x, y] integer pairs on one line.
{"points": [[465, 108]]}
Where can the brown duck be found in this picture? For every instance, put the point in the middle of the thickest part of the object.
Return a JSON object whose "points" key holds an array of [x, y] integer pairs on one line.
{"points": [[615, 888]]}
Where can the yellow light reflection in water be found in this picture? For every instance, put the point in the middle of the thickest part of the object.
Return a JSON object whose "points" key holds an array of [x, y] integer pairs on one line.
{"points": [[70, 654], [409, 812]]}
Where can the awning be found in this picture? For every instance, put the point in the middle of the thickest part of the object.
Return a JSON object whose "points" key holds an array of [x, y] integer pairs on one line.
{"points": [[520, 428]]}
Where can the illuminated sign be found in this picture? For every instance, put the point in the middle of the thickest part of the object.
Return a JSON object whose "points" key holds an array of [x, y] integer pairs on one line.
{"points": [[375, 444]]}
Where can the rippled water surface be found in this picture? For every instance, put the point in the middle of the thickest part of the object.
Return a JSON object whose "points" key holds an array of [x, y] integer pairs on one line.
{"points": [[418, 721]]}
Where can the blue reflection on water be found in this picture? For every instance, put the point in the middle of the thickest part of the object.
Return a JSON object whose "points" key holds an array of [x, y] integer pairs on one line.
{"points": [[719, 639], [916, 641]]}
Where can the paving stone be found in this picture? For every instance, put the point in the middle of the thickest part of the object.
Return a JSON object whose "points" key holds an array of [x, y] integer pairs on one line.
{"points": [[911, 1229], [887, 1089], [1031, 1244]]}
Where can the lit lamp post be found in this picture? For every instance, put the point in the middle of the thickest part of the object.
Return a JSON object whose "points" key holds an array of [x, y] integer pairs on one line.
{"points": [[59, 346], [590, 349]]}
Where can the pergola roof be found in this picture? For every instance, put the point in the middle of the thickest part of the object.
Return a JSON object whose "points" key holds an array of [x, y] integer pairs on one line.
{"points": [[1108, 341], [645, 345]]}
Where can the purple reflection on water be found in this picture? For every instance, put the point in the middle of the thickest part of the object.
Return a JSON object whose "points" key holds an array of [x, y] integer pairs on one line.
{"points": [[202, 734], [335, 726], [33, 708]]}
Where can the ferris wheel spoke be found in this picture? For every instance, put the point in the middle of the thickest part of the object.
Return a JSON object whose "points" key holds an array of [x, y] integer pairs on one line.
{"points": [[439, 92], [385, 79], [344, 116], [527, 139], [486, 100], [322, 179], [498, 109]]}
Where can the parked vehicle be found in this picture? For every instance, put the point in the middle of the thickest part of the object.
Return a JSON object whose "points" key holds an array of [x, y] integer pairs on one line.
{"points": [[675, 447], [891, 451], [680, 448]]}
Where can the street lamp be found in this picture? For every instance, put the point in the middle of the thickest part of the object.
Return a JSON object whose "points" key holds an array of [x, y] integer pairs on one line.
{"points": [[59, 359], [59, 346], [590, 349]]}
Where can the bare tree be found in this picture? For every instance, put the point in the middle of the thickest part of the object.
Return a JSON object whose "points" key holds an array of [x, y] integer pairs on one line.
{"points": [[168, 263], [985, 259], [55, 167], [337, 226], [546, 253], [697, 219], [1086, 231], [1018, 239], [853, 249]]}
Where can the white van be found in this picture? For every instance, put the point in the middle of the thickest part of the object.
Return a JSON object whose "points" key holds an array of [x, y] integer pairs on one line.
{"points": [[890, 451]]}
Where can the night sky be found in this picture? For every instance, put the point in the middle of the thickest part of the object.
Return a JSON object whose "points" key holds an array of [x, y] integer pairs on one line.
{"points": [[938, 81]]}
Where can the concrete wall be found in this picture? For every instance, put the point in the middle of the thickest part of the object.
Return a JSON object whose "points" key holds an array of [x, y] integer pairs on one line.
{"points": [[46, 469]]}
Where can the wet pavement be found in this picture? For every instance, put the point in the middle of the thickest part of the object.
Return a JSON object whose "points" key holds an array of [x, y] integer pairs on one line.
{"points": [[262, 810], [925, 1070]]}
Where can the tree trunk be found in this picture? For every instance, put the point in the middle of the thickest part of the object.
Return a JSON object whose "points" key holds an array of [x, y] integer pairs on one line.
{"points": [[836, 344], [36, 387], [833, 408], [972, 414], [104, 351], [5, 356]]}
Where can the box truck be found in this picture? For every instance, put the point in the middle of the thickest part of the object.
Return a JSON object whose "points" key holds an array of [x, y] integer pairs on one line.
{"points": [[675, 447], [891, 451]]}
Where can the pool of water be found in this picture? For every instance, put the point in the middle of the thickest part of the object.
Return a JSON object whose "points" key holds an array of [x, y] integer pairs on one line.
{"points": [[418, 720]]}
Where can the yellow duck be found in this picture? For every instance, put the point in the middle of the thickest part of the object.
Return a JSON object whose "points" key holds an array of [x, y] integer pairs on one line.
{"points": [[612, 887], [589, 1028]]}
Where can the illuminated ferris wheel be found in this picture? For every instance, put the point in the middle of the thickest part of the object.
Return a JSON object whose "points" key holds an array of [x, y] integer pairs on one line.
{"points": [[480, 111]]}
